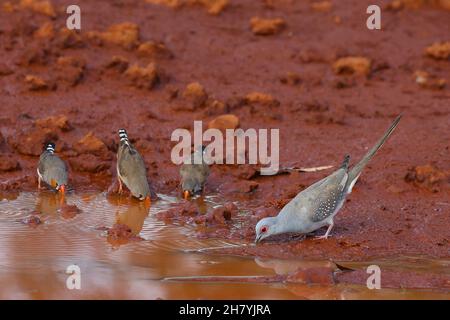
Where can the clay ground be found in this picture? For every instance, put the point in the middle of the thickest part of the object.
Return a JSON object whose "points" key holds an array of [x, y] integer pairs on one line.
{"points": [[317, 73]]}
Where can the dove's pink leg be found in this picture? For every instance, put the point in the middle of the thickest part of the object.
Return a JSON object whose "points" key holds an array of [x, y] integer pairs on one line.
{"points": [[325, 236]]}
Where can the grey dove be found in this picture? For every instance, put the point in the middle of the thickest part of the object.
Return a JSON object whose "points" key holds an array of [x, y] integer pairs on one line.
{"points": [[51, 169], [194, 173], [131, 169], [317, 205]]}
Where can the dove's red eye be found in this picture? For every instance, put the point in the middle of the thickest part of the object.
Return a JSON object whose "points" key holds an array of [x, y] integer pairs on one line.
{"points": [[264, 229]]}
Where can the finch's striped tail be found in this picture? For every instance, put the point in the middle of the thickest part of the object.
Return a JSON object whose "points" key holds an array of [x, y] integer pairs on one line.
{"points": [[124, 136], [50, 147]]}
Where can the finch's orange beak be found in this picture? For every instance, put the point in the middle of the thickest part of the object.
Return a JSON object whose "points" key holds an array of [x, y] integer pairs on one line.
{"points": [[186, 194], [147, 201], [62, 190]]}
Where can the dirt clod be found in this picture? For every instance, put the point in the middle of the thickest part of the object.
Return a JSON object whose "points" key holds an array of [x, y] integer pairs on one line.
{"points": [[352, 65], [425, 80], [36, 83], [195, 95], [266, 27], [143, 77], [44, 7], [323, 6], [60, 122], [223, 122], [91, 144], [439, 50], [123, 34], [429, 178]]}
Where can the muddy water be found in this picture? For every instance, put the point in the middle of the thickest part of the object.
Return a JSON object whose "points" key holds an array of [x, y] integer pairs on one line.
{"points": [[151, 260]]}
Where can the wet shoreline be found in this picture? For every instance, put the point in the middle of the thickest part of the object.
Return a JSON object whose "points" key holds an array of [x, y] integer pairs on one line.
{"points": [[314, 72]]}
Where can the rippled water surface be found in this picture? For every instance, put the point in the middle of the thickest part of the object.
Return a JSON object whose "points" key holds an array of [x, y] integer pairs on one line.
{"points": [[158, 261]]}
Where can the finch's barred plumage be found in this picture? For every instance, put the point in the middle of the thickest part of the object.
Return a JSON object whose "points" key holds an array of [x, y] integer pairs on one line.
{"points": [[194, 174], [51, 169], [131, 168]]}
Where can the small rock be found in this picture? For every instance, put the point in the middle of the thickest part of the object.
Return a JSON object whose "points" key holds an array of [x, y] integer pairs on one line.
{"points": [[223, 122], [322, 6], [428, 177], [35, 83], [153, 50], [91, 144], [143, 77], [60, 122], [70, 70], [124, 34], [219, 215], [168, 3], [352, 65], [439, 50], [400, 4], [215, 7], [265, 27], [44, 7], [261, 98], [121, 234], [425, 80], [118, 63], [195, 94]]}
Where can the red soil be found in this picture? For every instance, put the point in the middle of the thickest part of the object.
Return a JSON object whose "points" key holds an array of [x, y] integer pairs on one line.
{"points": [[327, 82]]}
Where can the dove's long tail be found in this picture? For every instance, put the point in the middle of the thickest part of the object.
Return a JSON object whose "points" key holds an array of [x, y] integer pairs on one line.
{"points": [[356, 170]]}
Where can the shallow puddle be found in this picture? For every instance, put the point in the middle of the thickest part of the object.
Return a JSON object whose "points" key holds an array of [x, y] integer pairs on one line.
{"points": [[125, 252]]}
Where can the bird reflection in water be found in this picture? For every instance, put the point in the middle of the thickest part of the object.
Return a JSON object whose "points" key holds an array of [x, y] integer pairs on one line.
{"points": [[51, 203], [129, 223]]}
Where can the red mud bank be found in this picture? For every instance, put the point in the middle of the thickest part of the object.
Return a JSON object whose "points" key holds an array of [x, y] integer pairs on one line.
{"points": [[311, 69]]}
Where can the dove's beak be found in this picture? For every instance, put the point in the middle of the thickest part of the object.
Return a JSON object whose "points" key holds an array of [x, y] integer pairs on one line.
{"points": [[258, 238]]}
